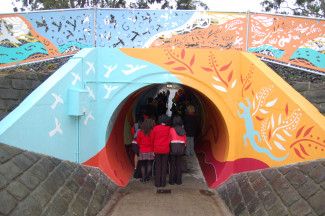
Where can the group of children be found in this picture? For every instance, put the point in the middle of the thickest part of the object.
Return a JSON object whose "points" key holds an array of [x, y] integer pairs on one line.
{"points": [[164, 144]]}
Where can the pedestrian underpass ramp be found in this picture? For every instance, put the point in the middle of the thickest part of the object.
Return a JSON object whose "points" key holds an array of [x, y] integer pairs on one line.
{"points": [[252, 119]]}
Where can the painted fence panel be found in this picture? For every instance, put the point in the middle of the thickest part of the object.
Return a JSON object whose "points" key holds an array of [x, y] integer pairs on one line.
{"points": [[292, 40], [42, 35]]}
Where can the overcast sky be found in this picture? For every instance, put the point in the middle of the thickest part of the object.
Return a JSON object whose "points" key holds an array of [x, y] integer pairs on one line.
{"points": [[214, 5]]}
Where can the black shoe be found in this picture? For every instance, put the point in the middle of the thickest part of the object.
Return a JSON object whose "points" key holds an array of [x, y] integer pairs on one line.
{"points": [[171, 183], [178, 183]]}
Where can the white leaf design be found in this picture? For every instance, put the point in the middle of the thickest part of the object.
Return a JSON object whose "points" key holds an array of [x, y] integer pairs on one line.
{"points": [[234, 84], [216, 79], [254, 104], [272, 121], [268, 125], [263, 111], [279, 145], [220, 88], [271, 103], [280, 137], [279, 119], [287, 133]]}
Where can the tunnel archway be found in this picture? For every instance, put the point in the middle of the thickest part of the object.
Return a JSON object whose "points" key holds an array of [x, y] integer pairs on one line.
{"points": [[212, 143]]}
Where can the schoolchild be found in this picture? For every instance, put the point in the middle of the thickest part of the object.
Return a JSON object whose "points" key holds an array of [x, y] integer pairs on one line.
{"points": [[191, 125], [146, 154], [161, 140], [177, 142]]}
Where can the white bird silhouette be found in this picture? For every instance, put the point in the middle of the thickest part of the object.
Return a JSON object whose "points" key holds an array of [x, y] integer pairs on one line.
{"points": [[165, 16], [86, 20], [57, 128], [109, 89], [7, 35], [90, 92], [106, 20], [133, 68], [76, 78], [88, 117], [132, 19], [109, 70], [58, 100], [91, 67]]}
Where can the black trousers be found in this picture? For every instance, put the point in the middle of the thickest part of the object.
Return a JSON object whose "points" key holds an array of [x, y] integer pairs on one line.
{"points": [[175, 174], [161, 163]]}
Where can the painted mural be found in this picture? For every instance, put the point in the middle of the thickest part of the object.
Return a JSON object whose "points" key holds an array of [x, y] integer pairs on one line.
{"points": [[41, 35], [292, 40], [36, 36], [256, 120]]}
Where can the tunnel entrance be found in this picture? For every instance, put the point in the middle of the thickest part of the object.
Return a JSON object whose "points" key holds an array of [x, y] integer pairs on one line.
{"points": [[211, 142]]}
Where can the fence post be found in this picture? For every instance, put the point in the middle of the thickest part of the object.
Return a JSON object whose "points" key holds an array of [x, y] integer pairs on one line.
{"points": [[247, 29]]}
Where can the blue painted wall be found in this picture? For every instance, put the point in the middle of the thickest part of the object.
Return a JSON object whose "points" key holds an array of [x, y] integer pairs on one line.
{"points": [[79, 123]]}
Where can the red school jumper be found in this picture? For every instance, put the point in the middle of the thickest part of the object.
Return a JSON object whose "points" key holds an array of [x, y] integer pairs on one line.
{"points": [[175, 138], [160, 139], [144, 142]]}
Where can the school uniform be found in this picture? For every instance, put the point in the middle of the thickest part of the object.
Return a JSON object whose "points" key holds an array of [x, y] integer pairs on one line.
{"points": [[145, 146], [160, 139], [175, 174]]}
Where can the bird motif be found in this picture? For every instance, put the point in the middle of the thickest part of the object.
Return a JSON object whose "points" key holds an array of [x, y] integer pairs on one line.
{"points": [[57, 100]]}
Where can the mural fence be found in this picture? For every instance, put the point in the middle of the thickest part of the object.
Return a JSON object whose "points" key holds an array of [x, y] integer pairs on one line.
{"points": [[34, 36]]}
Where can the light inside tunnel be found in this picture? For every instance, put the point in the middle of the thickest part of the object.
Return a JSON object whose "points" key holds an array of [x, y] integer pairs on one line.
{"points": [[211, 145]]}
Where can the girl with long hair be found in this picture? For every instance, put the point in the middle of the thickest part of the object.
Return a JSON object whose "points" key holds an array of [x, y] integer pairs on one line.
{"points": [[146, 154]]}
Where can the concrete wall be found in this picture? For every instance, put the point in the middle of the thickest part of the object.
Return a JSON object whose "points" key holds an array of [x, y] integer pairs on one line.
{"points": [[34, 184], [291, 190], [17, 83], [314, 92]]}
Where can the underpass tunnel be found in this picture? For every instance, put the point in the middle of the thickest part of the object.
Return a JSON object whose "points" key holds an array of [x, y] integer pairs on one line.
{"points": [[210, 145]]}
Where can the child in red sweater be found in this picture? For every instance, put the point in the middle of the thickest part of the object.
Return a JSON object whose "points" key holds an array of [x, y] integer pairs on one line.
{"points": [[146, 154], [160, 139], [178, 140]]}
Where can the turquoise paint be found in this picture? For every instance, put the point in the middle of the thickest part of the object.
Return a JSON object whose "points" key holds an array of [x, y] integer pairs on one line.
{"points": [[277, 53], [315, 58], [14, 54], [64, 47], [251, 133], [43, 122]]}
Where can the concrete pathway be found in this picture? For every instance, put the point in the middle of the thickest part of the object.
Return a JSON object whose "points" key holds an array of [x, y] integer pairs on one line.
{"points": [[191, 198]]}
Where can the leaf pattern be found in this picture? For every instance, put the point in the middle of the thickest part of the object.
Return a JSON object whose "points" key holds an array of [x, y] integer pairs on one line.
{"points": [[299, 131], [233, 84], [230, 76], [170, 62], [298, 153], [279, 145], [179, 68], [308, 131], [280, 137], [303, 150], [271, 103], [286, 109], [183, 53], [207, 69], [225, 67], [216, 79], [220, 88], [192, 60]]}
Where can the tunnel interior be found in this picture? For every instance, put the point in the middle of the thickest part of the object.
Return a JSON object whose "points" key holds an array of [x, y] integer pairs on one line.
{"points": [[211, 144]]}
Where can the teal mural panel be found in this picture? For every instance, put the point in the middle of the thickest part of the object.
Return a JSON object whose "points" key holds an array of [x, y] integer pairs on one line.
{"points": [[102, 78]]}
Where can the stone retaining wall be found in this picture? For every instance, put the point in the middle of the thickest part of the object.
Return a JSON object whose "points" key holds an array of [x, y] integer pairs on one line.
{"points": [[314, 92], [17, 83], [291, 190], [34, 184]]}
